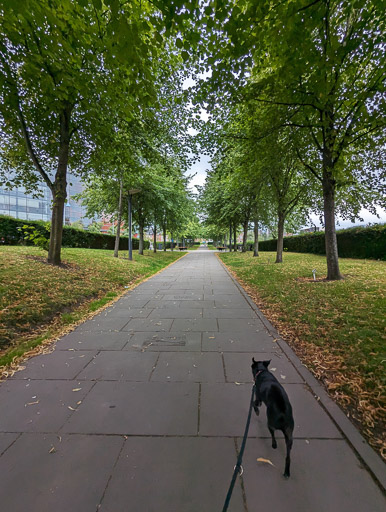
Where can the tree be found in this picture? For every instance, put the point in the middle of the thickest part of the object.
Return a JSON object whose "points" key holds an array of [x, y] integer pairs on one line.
{"points": [[63, 64], [331, 88]]}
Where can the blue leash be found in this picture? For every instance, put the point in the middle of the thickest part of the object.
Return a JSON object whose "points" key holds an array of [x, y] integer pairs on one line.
{"points": [[238, 466]]}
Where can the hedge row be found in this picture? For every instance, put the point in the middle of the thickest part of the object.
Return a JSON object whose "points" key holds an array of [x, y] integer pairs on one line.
{"points": [[357, 242], [10, 235]]}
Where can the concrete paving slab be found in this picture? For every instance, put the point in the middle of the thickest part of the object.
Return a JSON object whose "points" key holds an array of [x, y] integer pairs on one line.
{"points": [[238, 367], [223, 299], [103, 324], [127, 366], [148, 324], [147, 289], [140, 408], [93, 341], [6, 440], [122, 311], [245, 341], [191, 324], [187, 295], [39, 405], [228, 301], [214, 289], [235, 324], [229, 313], [197, 304], [176, 313], [187, 288], [224, 409], [138, 301], [189, 367], [325, 477], [174, 475], [42, 473], [59, 364], [168, 304], [168, 341]]}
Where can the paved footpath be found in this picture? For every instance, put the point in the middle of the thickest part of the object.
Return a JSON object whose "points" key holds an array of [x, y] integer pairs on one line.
{"points": [[142, 409]]}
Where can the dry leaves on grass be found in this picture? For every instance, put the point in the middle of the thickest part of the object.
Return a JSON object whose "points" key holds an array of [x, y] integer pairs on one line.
{"points": [[366, 409]]}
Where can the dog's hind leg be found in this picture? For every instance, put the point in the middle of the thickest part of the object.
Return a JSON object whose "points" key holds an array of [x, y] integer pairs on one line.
{"points": [[274, 443], [288, 441]]}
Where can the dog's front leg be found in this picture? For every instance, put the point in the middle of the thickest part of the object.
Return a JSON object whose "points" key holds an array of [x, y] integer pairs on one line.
{"points": [[256, 406]]}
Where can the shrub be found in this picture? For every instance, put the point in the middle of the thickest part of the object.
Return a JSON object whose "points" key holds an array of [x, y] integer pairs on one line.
{"points": [[357, 242], [36, 235], [12, 232]]}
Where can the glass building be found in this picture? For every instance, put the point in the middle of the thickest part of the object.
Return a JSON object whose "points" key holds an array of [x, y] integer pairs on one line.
{"points": [[22, 205]]}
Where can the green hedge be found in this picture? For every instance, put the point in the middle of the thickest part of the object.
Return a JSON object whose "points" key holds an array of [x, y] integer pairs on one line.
{"points": [[10, 235], [357, 242]]}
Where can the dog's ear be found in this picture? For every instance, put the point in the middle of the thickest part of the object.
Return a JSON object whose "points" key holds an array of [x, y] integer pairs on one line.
{"points": [[253, 360], [266, 363]]}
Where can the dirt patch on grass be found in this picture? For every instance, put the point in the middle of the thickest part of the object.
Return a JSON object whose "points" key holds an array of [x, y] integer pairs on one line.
{"points": [[65, 265]]}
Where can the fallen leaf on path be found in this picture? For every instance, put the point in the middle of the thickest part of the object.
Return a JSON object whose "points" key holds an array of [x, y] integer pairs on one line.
{"points": [[71, 408], [237, 383], [52, 450], [266, 461], [283, 377], [76, 389], [32, 403]]}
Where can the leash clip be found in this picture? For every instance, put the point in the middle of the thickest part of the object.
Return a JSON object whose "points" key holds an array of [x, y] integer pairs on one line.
{"points": [[241, 470]]}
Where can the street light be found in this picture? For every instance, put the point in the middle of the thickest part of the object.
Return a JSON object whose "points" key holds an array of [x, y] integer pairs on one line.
{"points": [[131, 193]]}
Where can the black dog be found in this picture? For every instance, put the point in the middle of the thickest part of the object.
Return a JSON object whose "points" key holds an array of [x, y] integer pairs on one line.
{"points": [[279, 410]]}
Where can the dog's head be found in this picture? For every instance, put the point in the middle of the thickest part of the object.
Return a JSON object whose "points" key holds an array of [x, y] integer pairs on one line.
{"points": [[259, 366]]}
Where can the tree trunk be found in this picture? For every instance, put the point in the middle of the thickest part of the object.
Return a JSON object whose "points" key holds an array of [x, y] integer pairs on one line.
{"points": [[280, 236], [234, 237], [256, 233], [56, 232], [155, 239], [58, 190], [333, 272], [245, 235], [164, 228], [140, 247], [171, 241], [119, 219]]}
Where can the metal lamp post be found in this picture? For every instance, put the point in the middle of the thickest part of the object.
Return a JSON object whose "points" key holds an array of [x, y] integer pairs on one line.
{"points": [[131, 193]]}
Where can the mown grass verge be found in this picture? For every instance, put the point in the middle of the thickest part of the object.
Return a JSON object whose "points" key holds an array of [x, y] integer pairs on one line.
{"points": [[336, 328], [39, 301]]}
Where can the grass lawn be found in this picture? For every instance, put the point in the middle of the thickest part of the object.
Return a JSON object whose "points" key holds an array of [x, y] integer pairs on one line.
{"points": [[39, 301], [336, 328]]}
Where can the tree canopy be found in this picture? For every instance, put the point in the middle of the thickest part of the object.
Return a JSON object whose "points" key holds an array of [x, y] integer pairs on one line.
{"points": [[294, 92]]}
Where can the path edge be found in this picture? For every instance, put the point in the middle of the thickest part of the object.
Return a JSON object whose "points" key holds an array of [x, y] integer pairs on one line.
{"points": [[370, 459]]}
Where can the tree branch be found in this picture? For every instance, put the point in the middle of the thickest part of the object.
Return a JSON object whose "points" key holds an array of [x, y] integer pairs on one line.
{"points": [[24, 129], [307, 166]]}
